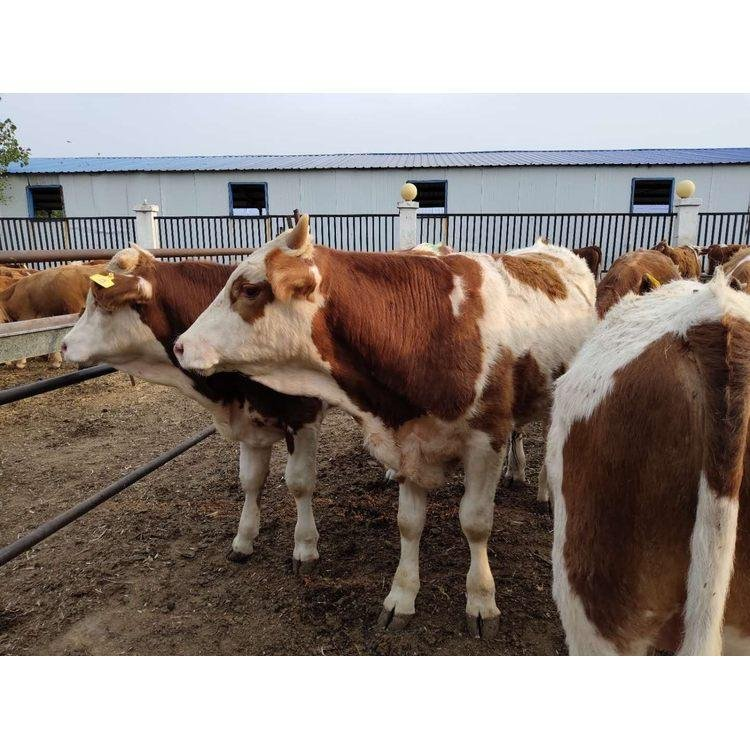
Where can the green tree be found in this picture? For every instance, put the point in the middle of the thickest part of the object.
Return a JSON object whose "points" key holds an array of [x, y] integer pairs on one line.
{"points": [[10, 150]]}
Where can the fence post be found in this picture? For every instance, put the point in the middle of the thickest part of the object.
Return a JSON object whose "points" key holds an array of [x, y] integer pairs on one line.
{"points": [[407, 217], [146, 229], [685, 228]]}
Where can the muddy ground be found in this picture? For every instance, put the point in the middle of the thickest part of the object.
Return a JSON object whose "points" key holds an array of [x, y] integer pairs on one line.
{"points": [[145, 573]]}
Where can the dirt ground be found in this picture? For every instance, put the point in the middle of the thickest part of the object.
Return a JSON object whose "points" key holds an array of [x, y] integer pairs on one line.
{"points": [[145, 573]]}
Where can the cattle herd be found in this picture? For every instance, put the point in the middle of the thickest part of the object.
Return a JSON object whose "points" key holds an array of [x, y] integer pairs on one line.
{"points": [[443, 358]]}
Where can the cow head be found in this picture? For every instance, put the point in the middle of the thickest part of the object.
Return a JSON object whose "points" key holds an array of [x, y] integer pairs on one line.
{"points": [[262, 318], [111, 329]]}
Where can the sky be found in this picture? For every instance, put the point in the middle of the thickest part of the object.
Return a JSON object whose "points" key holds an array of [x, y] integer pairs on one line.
{"points": [[222, 124]]}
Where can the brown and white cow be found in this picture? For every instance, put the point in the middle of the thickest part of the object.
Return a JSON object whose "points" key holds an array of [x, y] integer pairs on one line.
{"points": [[685, 257], [438, 357], [718, 255], [737, 269], [649, 470], [133, 324], [637, 273], [54, 291], [593, 257]]}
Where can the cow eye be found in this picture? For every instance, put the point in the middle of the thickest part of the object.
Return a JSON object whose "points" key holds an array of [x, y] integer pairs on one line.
{"points": [[250, 291]]}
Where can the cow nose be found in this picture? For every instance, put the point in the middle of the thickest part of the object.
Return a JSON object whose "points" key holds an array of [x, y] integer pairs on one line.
{"points": [[178, 349], [63, 348]]}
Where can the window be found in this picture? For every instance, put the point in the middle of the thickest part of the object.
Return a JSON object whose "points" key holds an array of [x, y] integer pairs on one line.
{"points": [[652, 196], [431, 196], [248, 198], [46, 202]]}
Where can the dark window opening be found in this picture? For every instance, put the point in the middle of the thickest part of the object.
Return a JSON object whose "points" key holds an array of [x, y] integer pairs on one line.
{"points": [[248, 199], [652, 196], [431, 196], [46, 202]]}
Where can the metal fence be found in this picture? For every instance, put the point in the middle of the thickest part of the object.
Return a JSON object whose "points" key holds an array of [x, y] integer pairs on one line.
{"points": [[220, 231], [724, 228], [364, 232], [614, 233], [86, 233]]}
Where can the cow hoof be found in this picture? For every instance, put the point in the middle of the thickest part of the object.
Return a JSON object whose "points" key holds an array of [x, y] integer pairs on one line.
{"points": [[392, 622], [238, 557], [482, 628], [508, 481], [304, 567]]}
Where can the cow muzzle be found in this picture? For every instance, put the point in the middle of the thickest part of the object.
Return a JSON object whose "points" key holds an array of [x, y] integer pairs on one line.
{"points": [[196, 356]]}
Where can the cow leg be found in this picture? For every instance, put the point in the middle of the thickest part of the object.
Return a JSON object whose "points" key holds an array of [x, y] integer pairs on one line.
{"points": [[300, 478], [482, 470], [254, 462], [398, 607], [54, 360], [515, 466], [543, 494]]}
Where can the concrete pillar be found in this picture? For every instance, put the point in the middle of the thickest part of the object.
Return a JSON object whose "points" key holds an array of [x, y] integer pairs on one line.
{"points": [[407, 224], [685, 229], [146, 229]]}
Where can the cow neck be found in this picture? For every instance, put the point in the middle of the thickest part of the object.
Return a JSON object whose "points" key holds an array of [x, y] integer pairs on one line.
{"points": [[182, 291], [389, 332]]}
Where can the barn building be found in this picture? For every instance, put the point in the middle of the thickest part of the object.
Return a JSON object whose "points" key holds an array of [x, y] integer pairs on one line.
{"points": [[634, 181]]}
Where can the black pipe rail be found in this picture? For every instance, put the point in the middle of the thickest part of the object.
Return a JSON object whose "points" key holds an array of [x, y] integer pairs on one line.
{"points": [[42, 259], [48, 528], [18, 392]]}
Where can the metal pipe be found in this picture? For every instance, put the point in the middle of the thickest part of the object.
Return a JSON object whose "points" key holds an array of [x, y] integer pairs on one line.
{"points": [[43, 256], [48, 528], [9, 395]]}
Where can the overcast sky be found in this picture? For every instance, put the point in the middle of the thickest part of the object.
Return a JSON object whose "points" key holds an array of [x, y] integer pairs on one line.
{"points": [[204, 124]]}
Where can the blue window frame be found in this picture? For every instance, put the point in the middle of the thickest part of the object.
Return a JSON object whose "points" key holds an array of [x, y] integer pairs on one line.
{"points": [[652, 195], [248, 198], [432, 196], [45, 201]]}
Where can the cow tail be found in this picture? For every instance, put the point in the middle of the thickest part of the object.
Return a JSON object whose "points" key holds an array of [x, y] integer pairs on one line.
{"points": [[722, 354]]}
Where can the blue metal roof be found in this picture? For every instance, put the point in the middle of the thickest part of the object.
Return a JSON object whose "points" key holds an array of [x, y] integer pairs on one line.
{"points": [[621, 157]]}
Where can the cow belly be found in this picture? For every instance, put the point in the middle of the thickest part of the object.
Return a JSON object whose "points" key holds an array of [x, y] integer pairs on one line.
{"points": [[419, 450], [240, 422]]}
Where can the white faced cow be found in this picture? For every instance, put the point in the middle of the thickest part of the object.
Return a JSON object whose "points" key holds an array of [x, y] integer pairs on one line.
{"points": [[132, 325], [438, 356]]}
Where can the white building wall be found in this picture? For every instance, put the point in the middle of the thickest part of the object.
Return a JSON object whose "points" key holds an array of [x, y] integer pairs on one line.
{"points": [[470, 190]]}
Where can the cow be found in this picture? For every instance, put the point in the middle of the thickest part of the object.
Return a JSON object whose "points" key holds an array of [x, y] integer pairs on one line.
{"points": [[648, 467], [593, 257], [55, 291], [720, 254], [685, 257], [437, 357], [737, 269], [637, 272], [132, 324]]}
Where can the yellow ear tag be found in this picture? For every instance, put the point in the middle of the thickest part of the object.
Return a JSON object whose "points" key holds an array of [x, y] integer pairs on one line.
{"points": [[655, 283], [105, 280]]}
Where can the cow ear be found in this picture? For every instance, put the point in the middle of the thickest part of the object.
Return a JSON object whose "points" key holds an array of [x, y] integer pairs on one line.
{"points": [[127, 260], [126, 290], [290, 276], [649, 283]]}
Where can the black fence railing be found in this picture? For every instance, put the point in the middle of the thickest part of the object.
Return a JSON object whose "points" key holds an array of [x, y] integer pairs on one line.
{"points": [[220, 231], [724, 228], [614, 233], [85, 233], [365, 232]]}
